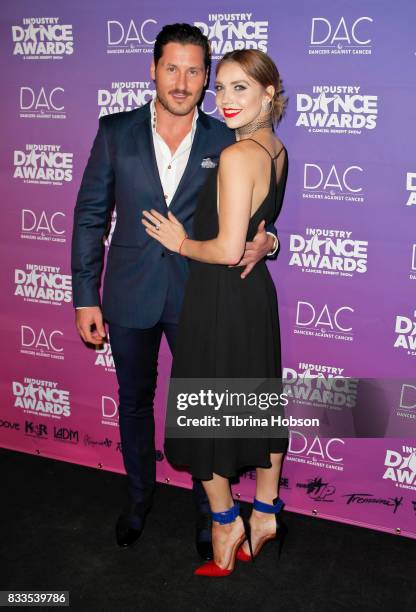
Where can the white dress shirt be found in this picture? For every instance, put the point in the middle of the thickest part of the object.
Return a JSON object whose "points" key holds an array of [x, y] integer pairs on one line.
{"points": [[171, 167]]}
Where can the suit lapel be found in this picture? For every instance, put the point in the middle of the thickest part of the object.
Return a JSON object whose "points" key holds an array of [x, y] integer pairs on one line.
{"points": [[195, 156], [144, 145]]}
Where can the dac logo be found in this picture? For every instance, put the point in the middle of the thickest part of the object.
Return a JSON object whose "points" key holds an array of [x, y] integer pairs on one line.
{"points": [[340, 38], [43, 164], [43, 285], [39, 343], [411, 188], [329, 182], [322, 322], [41, 397], [412, 275], [43, 103], [109, 411], [407, 404], [327, 251], [43, 226], [405, 329], [336, 109], [42, 38], [124, 96], [132, 36], [401, 467], [328, 452], [229, 31]]}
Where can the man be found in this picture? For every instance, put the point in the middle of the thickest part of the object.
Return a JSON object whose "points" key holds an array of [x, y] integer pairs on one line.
{"points": [[153, 157]]}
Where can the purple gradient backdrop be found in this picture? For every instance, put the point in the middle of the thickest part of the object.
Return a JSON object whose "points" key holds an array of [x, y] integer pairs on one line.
{"points": [[321, 476]]}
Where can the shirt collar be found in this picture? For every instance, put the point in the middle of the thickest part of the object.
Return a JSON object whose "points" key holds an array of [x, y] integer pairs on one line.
{"points": [[153, 117]]}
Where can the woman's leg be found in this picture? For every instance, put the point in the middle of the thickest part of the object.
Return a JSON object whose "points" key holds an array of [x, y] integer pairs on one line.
{"points": [[267, 479], [267, 486], [224, 537]]}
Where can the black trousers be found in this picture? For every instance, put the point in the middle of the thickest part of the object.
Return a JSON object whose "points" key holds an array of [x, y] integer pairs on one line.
{"points": [[135, 353]]}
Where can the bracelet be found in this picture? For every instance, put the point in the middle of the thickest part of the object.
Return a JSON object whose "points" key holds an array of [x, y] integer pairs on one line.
{"points": [[180, 246], [275, 244]]}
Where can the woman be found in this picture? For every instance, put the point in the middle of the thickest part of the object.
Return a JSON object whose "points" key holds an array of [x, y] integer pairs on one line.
{"points": [[229, 327]]}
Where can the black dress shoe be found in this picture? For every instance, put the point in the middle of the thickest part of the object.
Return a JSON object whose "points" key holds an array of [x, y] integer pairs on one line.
{"points": [[204, 550], [126, 535], [203, 541], [130, 523]]}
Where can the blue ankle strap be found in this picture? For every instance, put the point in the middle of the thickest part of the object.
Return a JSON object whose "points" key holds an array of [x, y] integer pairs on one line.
{"points": [[228, 516], [268, 508]]}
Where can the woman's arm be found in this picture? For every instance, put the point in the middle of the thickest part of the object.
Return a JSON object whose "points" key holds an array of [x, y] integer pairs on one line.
{"points": [[235, 191]]}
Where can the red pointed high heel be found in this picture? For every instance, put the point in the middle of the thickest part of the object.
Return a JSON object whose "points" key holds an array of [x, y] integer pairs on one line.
{"points": [[211, 568], [281, 530]]}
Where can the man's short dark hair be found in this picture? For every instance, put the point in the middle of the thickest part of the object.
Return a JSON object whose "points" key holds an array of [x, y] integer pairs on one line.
{"points": [[185, 34]]}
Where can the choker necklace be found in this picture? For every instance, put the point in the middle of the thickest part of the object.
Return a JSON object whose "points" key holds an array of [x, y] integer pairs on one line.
{"points": [[253, 126]]}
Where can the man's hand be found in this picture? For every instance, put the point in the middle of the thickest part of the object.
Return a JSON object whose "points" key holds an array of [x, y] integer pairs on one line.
{"points": [[85, 318], [256, 250]]}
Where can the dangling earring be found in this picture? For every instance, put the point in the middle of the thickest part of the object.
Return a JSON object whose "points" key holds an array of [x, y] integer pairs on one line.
{"points": [[266, 105]]}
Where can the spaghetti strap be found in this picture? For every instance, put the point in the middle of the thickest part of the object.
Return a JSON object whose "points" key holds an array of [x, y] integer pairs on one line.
{"points": [[276, 156], [263, 147]]}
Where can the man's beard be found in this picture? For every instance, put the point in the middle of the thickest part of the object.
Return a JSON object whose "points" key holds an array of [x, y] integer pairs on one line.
{"points": [[184, 109]]}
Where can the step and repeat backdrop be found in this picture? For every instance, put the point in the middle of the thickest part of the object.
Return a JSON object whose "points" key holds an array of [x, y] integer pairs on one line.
{"points": [[346, 272]]}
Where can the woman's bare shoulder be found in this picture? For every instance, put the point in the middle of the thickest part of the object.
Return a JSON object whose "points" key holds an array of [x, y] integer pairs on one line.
{"points": [[240, 153], [236, 149], [251, 145], [236, 154], [247, 151], [236, 160]]}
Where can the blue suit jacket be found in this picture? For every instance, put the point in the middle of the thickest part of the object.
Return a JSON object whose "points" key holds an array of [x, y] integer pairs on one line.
{"points": [[122, 170]]}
